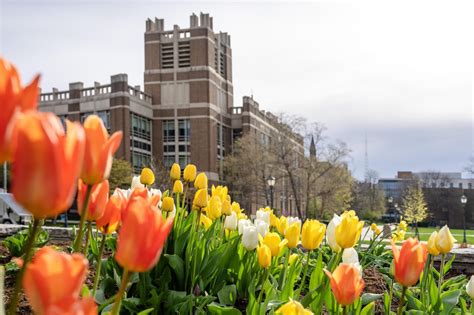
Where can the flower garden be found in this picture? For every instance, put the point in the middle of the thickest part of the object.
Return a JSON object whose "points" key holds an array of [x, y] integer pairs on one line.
{"points": [[191, 249]]}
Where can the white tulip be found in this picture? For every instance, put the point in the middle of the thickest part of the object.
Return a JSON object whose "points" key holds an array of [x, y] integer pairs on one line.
{"points": [[154, 192], [264, 216], [350, 256], [262, 227], [292, 220], [250, 237], [230, 222], [242, 224], [470, 287], [136, 183], [331, 233]]}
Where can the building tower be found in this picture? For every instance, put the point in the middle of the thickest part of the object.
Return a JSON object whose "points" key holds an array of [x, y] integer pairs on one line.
{"points": [[188, 73], [312, 149]]}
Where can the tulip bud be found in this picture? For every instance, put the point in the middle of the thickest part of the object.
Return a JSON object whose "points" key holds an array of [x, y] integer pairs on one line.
{"points": [[470, 287], [242, 224], [178, 187], [293, 307], [431, 245], [292, 234], [99, 150], [445, 240], [349, 230], [147, 177], [262, 227], [214, 208], [249, 237], [47, 163], [282, 223], [226, 207], [200, 199], [136, 183], [236, 207], [291, 220], [175, 172], [189, 174], [97, 200], [373, 227], [292, 258], [346, 283], [204, 220], [312, 234], [264, 216], [168, 204], [264, 256], [110, 220], [409, 261], [201, 181], [273, 241], [230, 222], [331, 233]]}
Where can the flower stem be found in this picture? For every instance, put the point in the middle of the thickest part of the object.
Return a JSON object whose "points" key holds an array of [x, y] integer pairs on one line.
{"points": [[28, 253], [441, 273], [402, 301], [99, 264], [344, 310], [88, 236], [80, 232], [305, 270], [287, 258], [265, 277], [118, 297]]}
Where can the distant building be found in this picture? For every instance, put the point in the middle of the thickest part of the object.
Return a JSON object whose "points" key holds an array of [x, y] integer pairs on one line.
{"points": [[442, 191], [185, 112]]}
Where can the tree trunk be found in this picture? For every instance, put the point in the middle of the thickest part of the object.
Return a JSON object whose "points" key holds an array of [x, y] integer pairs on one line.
{"points": [[295, 191]]}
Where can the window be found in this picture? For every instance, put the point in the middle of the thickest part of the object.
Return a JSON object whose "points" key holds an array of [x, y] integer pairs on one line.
{"points": [[167, 56], [140, 127], [451, 185], [184, 54], [168, 131], [183, 161], [104, 115], [469, 185], [460, 185], [168, 160], [140, 160], [184, 129]]}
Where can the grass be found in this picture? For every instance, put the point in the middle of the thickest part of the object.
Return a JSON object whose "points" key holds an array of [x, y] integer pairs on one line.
{"points": [[457, 233]]}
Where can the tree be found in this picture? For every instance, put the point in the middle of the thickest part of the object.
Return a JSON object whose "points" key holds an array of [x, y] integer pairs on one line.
{"points": [[120, 174], [369, 199], [414, 206]]}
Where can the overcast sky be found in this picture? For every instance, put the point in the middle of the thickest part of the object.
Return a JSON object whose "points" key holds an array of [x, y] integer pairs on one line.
{"points": [[400, 72]]}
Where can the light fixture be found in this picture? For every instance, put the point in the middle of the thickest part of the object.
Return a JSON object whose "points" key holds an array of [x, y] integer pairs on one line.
{"points": [[463, 199], [271, 181]]}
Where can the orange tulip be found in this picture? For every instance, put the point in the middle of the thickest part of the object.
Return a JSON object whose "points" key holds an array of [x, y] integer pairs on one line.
{"points": [[97, 200], [99, 150], [53, 282], [47, 163], [142, 236], [409, 261], [14, 99], [346, 283], [110, 220]]}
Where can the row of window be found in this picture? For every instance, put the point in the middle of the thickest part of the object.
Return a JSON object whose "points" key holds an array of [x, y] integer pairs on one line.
{"points": [[140, 126], [140, 160], [169, 130]]}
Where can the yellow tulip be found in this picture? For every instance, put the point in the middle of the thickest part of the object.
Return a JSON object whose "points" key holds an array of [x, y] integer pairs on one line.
{"points": [[293, 308], [273, 219], [281, 224], [264, 256], [189, 174], [274, 242], [147, 177], [292, 234], [312, 234], [175, 172], [349, 230], [226, 207], [403, 225], [293, 258], [444, 240], [205, 221], [200, 199], [167, 204], [432, 249], [373, 227], [178, 187], [214, 208], [201, 181], [236, 207]]}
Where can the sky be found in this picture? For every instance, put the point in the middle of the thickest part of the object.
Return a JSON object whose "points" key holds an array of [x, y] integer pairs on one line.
{"points": [[397, 72]]}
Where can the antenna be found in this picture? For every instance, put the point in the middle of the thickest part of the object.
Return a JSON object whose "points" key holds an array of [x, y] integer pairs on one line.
{"points": [[366, 158]]}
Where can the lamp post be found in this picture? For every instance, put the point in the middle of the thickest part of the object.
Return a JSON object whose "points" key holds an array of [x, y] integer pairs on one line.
{"points": [[463, 202], [271, 184]]}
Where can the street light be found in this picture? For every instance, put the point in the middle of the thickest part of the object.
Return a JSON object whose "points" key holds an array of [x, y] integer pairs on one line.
{"points": [[271, 184], [464, 201]]}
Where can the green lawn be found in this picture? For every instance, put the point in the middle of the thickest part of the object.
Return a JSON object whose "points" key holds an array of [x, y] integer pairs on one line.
{"points": [[457, 233]]}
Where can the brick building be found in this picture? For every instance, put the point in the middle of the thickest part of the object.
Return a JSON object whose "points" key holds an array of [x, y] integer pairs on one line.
{"points": [[185, 112]]}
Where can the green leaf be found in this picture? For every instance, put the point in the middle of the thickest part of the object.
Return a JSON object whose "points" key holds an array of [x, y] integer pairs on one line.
{"points": [[227, 295], [147, 311], [450, 300], [370, 297], [176, 263], [368, 309], [215, 308]]}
